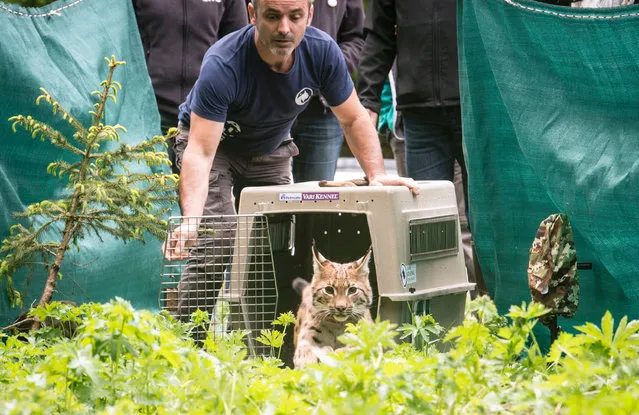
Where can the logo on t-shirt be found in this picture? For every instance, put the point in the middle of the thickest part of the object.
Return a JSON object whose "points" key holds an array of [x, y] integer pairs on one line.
{"points": [[231, 129], [303, 96]]}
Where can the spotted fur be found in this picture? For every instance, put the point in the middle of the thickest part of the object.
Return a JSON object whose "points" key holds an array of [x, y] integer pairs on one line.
{"points": [[338, 294]]}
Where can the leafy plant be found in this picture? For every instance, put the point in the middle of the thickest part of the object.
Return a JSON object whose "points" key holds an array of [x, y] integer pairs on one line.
{"points": [[120, 360], [275, 338], [423, 330], [104, 195]]}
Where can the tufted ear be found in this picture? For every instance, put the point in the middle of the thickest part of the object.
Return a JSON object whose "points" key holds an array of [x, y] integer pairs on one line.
{"points": [[361, 265], [318, 258]]}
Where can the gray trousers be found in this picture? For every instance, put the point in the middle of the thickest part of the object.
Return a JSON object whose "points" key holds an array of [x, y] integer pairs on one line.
{"points": [[211, 255]]}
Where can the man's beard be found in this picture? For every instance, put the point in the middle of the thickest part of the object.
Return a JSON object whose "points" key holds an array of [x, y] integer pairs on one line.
{"points": [[282, 49]]}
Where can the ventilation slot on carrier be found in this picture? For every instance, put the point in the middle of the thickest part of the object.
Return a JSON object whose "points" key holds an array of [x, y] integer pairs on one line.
{"points": [[432, 237], [282, 232]]}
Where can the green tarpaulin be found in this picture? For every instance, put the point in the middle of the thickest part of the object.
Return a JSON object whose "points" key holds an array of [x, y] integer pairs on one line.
{"points": [[62, 48], [550, 99]]}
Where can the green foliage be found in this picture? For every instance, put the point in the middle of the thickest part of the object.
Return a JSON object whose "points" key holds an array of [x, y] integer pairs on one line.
{"points": [[421, 330], [275, 338], [124, 361], [104, 195]]}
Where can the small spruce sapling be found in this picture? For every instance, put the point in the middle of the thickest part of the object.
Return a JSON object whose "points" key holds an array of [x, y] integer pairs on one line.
{"points": [[104, 196]]}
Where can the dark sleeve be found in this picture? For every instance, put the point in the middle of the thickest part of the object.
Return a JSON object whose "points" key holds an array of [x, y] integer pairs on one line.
{"points": [[378, 53], [350, 36], [337, 84], [213, 91], [235, 17]]}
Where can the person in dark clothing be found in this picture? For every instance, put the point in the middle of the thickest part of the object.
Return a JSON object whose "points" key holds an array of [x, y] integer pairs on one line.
{"points": [[317, 132], [175, 36], [421, 35]]}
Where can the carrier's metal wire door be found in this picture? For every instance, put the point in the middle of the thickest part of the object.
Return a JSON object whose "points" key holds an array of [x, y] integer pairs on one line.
{"points": [[229, 274]]}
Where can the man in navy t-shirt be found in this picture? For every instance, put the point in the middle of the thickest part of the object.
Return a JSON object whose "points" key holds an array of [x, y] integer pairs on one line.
{"points": [[237, 118], [256, 104]]}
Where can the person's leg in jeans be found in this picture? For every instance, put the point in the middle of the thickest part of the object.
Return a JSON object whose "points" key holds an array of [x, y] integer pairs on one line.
{"points": [[429, 150], [433, 144], [319, 138]]}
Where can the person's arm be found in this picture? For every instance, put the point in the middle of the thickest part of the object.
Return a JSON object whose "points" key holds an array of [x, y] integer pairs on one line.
{"points": [[360, 136], [350, 34], [362, 140], [378, 54], [235, 17], [197, 160]]}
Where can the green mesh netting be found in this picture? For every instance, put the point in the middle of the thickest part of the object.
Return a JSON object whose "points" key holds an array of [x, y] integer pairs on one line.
{"points": [[550, 99], [62, 47]]}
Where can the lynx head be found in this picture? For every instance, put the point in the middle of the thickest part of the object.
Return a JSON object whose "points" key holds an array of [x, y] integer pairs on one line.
{"points": [[340, 291]]}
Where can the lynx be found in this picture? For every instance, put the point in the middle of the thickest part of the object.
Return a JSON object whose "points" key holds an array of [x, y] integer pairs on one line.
{"points": [[338, 294]]}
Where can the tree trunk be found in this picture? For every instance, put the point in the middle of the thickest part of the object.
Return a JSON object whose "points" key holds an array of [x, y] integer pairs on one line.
{"points": [[52, 278]]}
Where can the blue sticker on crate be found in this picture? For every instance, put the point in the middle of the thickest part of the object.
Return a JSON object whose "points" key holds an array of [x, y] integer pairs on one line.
{"points": [[408, 274], [308, 196]]}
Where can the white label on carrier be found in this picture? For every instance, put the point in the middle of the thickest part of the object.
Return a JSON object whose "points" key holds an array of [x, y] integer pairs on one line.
{"points": [[290, 196], [408, 274]]}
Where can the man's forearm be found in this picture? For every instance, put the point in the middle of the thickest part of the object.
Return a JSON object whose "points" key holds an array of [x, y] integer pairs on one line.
{"points": [[362, 139], [194, 182], [197, 160]]}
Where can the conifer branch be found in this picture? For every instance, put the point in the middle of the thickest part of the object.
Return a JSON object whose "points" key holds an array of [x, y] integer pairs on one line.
{"points": [[104, 197]]}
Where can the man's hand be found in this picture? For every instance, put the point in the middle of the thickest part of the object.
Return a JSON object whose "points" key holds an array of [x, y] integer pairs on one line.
{"points": [[395, 181], [176, 247], [379, 181]]}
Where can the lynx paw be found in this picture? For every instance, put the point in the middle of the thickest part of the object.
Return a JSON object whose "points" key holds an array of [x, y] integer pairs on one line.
{"points": [[307, 355]]}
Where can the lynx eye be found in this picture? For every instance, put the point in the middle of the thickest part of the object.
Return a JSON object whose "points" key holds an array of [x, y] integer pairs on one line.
{"points": [[352, 290], [329, 290]]}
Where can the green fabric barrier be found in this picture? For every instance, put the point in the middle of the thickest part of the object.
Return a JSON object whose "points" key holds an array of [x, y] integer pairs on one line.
{"points": [[550, 101], [62, 47]]}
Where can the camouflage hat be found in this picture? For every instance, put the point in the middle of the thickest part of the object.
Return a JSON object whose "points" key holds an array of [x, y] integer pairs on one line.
{"points": [[552, 269]]}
